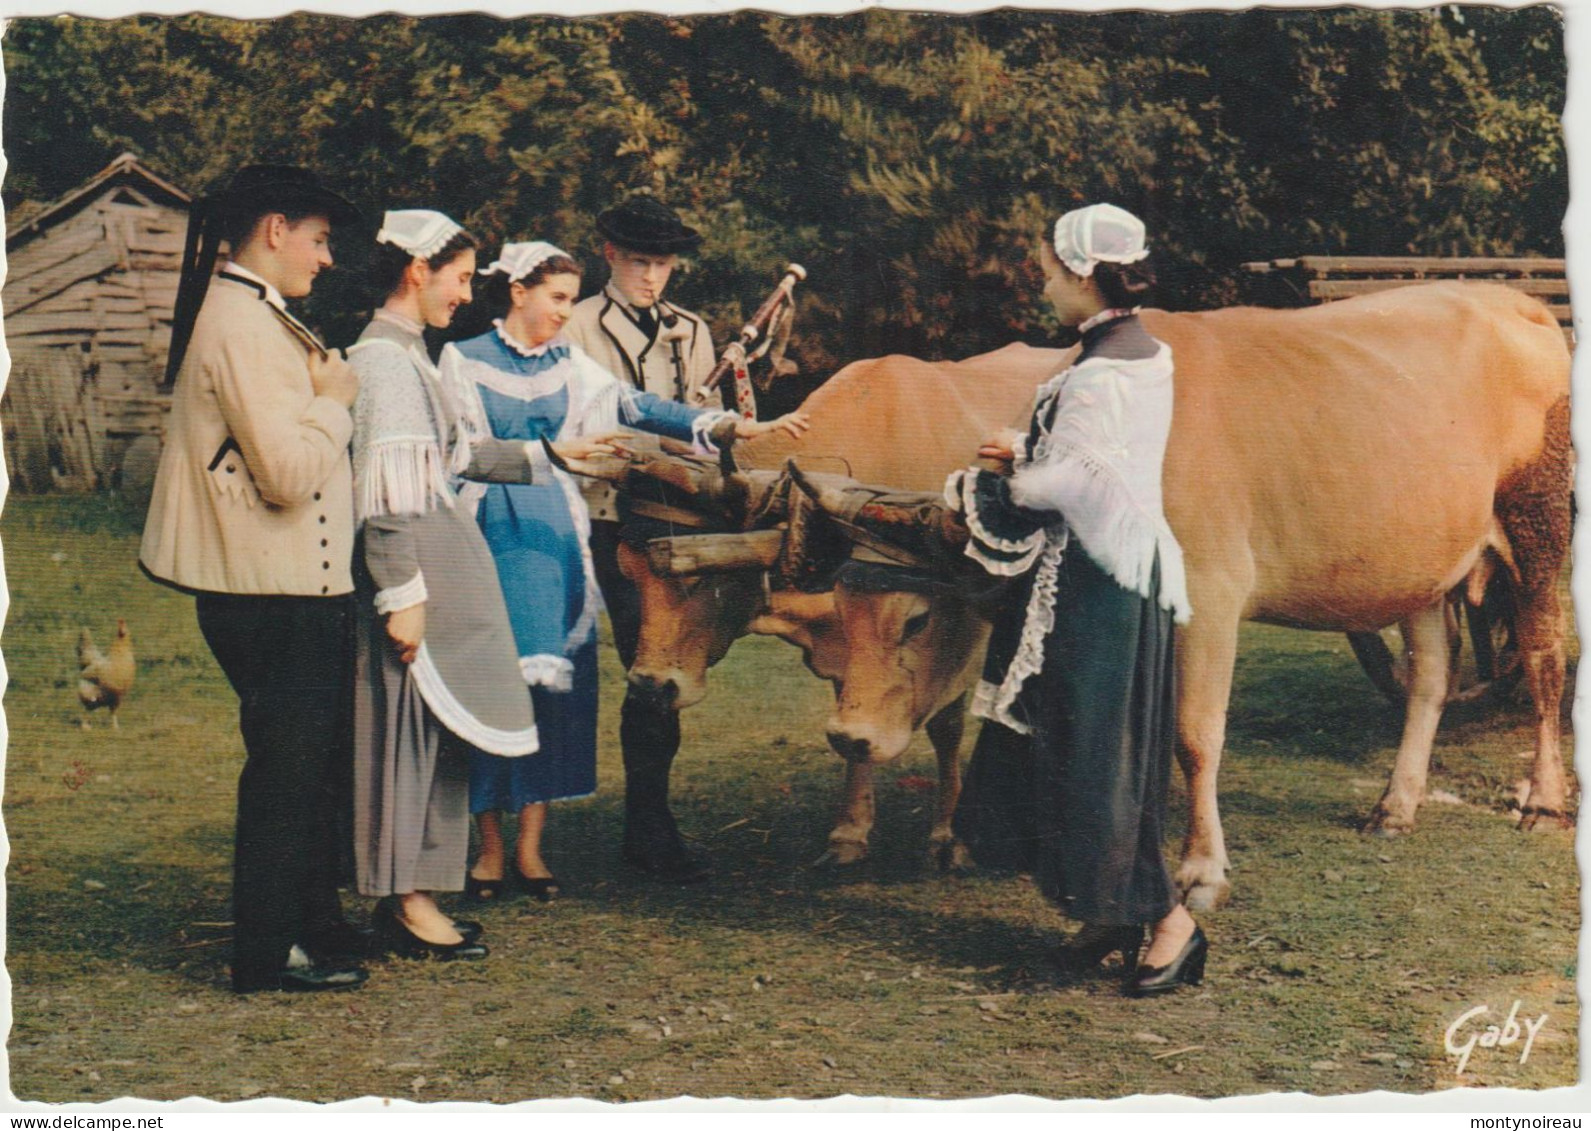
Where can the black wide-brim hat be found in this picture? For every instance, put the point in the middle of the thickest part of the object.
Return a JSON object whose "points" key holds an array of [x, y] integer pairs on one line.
{"points": [[645, 224], [262, 189]]}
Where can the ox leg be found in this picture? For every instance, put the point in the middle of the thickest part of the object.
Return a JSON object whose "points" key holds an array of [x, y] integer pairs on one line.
{"points": [[649, 738], [1540, 630], [1537, 515], [1427, 636], [848, 839], [945, 731], [1206, 653]]}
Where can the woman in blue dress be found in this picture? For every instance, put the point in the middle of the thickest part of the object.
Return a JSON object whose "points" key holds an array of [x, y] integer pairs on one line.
{"points": [[527, 382]]}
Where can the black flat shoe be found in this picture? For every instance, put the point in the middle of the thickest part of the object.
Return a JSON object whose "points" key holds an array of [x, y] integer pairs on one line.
{"points": [[680, 869], [542, 888], [1092, 945], [1186, 969], [483, 891], [469, 928], [405, 943]]}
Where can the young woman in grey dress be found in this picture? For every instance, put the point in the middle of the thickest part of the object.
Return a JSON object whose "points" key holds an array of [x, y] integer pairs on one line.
{"points": [[438, 673], [1068, 778]]}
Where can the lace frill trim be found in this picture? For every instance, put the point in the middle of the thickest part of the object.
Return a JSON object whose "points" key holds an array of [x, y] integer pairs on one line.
{"points": [[961, 492], [991, 702], [586, 623], [555, 346]]}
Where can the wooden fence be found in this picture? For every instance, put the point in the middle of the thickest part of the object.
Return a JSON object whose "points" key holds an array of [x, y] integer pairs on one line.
{"points": [[1314, 279]]}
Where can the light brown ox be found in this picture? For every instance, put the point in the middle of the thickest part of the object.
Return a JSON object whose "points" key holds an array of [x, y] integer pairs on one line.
{"points": [[891, 420], [1338, 468]]}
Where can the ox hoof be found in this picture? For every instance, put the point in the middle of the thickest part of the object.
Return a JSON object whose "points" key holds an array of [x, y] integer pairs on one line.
{"points": [[1206, 896], [1534, 817], [843, 854], [1203, 885], [1384, 824], [950, 856]]}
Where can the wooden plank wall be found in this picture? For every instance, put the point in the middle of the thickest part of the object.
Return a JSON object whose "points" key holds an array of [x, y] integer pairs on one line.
{"points": [[50, 438]]}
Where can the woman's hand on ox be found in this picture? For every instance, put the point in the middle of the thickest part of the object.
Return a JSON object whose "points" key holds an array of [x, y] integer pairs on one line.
{"points": [[406, 628], [584, 447], [1002, 445], [795, 423]]}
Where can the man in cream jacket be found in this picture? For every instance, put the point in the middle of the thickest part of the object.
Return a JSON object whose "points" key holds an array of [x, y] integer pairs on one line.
{"points": [[662, 349], [252, 512]]}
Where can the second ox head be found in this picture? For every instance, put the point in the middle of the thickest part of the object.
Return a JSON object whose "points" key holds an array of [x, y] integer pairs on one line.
{"points": [[911, 645]]}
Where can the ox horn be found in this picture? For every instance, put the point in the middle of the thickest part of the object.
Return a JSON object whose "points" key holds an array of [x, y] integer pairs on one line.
{"points": [[691, 478], [829, 493], [608, 468], [908, 528]]}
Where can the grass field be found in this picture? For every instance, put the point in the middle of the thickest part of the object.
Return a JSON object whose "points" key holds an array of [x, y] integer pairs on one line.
{"points": [[1337, 966]]}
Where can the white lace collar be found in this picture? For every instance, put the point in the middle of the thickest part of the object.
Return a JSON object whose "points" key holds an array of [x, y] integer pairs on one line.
{"points": [[521, 348]]}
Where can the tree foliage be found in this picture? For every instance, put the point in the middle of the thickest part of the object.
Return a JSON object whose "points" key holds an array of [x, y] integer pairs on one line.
{"points": [[909, 161]]}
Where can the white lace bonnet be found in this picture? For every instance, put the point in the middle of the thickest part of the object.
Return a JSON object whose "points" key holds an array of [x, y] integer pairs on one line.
{"points": [[418, 231], [517, 260], [1100, 233]]}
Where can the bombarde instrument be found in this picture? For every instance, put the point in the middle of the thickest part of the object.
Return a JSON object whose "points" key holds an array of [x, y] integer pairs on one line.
{"points": [[756, 336]]}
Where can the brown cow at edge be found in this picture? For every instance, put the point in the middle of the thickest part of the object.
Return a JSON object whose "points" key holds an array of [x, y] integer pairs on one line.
{"points": [[1338, 468]]}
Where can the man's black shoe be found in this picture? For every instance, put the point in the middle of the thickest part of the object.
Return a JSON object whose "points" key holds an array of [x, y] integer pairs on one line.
{"points": [[304, 976]]}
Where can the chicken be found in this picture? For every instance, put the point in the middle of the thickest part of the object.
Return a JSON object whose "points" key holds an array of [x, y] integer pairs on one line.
{"points": [[104, 680]]}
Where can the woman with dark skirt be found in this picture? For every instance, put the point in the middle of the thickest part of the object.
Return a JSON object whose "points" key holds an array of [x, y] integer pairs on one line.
{"points": [[1068, 777]]}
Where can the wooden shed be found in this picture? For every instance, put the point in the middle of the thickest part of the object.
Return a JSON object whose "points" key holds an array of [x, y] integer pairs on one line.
{"points": [[89, 289]]}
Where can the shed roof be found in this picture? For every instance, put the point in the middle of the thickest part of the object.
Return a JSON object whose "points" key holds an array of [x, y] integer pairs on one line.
{"points": [[125, 170]]}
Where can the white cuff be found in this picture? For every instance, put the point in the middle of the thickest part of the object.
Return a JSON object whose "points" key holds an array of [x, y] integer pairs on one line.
{"points": [[1019, 451], [704, 424], [540, 465], [552, 672], [400, 597]]}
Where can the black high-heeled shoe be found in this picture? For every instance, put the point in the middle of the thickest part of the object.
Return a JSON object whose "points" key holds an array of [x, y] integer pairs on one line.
{"points": [[483, 891], [1092, 945], [541, 888], [1186, 969], [405, 943]]}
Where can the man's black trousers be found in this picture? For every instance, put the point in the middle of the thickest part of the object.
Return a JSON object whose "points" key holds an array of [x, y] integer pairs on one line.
{"points": [[290, 660]]}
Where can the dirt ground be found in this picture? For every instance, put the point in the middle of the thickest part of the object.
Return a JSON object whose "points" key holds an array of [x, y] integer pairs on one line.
{"points": [[1338, 966]]}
